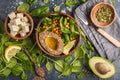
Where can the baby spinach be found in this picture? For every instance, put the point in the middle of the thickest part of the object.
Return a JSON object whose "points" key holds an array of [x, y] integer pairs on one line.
{"points": [[81, 76], [67, 70], [68, 59], [71, 3], [45, 1], [32, 1], [59, 65], [40, 11], [24, 76], [23, 7], [17, 69], [57, 8], [49, 66]]}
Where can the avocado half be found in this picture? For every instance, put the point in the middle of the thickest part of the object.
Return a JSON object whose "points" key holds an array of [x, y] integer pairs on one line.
{"points": [[102, 67]]}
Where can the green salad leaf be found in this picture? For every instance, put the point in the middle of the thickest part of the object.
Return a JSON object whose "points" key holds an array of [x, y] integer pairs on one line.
{"points": [[23, 7], [40, 11]]}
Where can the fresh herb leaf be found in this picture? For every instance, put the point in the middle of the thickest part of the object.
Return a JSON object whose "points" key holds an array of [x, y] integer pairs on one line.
{"points": [[40, 11], [49, 66], [83, 1], [71, 3], [76, 63], [59, 65], [78, 53], [5, 73], [46, 1], [57, 8], [76, 69], [17, 69], [1, 26], [23, 7], [68, 59], [11, 63], [81, 76], [24, 76], [32, 1], [112, 1], [66, 71]]}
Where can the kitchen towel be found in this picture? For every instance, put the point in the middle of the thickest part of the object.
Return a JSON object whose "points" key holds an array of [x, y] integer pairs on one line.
{"points": [[103, 46]]}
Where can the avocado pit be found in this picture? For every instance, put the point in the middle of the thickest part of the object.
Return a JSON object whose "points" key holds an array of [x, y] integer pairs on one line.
{"points": [[102, 68]]}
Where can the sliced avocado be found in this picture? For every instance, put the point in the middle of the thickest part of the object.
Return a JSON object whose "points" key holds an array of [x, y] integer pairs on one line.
{"points": [[102, 67]]}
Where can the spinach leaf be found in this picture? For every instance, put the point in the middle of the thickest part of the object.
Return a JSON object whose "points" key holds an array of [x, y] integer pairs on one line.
{"points": [[1, 26], [76, 63], [11, 63], [76, 69], [17, 69], [78, 53], [23, 7], [57, 8], [49, 66], [5, 73], [71, 3], [81, 76], [68, 59], [5, 38], [46, 1], [83, 1], [67, 71], [112, 1], [40, 11], [32, 1], [59, 65], [24, 76]]}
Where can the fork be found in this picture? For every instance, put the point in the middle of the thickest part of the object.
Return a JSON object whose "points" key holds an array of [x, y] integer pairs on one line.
{"points": [[86, 21]]}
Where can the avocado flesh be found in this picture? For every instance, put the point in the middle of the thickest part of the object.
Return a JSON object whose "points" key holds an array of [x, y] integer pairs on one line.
{"points": [[102, 67]]}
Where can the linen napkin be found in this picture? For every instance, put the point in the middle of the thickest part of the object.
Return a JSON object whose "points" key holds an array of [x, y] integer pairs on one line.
{"points": [[103, 46]]}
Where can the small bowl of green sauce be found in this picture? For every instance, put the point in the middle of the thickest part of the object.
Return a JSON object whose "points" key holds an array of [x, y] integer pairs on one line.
{"points": [[103, 14]]}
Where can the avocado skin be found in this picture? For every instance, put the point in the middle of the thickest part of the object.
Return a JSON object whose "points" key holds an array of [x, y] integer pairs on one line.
{"points": [[95, 60]]}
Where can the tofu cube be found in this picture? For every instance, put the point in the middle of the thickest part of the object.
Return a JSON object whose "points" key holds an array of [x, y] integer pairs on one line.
{"points": [[20, 15], [25, 24], [13, 33], [14, 28], [24, 19], [17, 21], [22, 33], [25, 29], [12, 15]]}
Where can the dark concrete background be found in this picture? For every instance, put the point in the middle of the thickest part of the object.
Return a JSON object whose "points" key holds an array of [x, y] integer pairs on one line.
{"points": [[7, 6]]}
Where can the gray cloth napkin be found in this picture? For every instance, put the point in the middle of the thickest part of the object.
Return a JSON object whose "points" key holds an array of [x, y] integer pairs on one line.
{"points": [[103, 46]]}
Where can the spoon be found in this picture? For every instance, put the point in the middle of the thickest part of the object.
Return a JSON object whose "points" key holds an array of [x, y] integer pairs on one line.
{"points": [[40, 74]]}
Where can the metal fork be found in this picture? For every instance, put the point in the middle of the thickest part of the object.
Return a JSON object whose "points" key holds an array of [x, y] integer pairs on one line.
{"points": [[86, 21]]}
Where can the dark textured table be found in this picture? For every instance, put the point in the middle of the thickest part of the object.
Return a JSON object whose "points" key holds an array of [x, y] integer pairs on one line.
{"points": [[6, 6]]}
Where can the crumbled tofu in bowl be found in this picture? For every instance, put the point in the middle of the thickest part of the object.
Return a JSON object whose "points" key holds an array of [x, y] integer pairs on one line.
{"points": [[19, 24]]}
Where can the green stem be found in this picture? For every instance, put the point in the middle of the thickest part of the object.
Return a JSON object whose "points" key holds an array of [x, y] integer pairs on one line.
{"points": [[73, 61], [50, 59], [33, 47]]}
